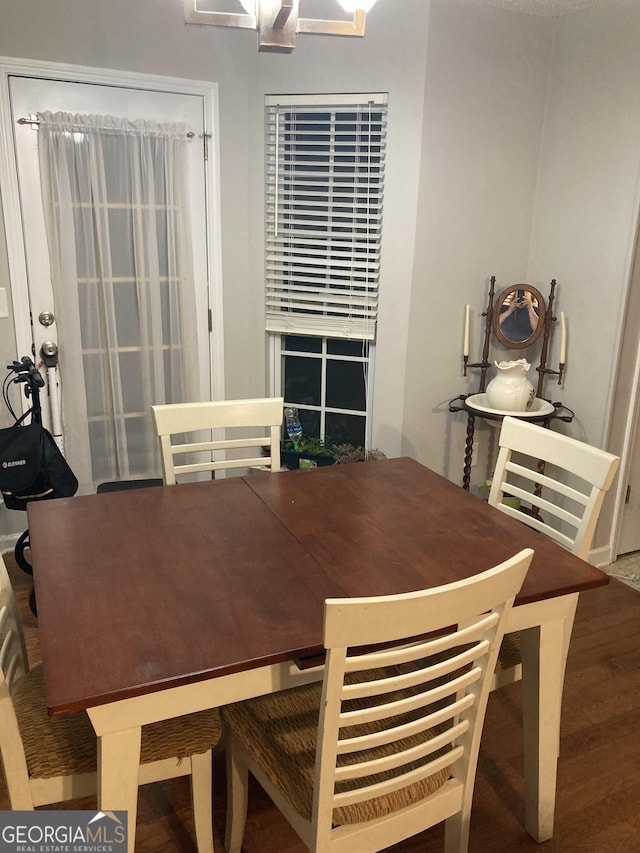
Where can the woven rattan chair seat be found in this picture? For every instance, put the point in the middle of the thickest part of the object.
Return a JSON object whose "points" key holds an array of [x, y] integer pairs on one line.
{"points": [[280, 731], [60, 746], [510, 654]]}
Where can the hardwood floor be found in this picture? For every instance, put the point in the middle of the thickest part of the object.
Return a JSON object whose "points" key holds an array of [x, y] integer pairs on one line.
{"points": [[598, 771]]}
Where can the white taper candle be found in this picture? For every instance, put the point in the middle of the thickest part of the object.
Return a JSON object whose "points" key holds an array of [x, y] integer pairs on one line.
{"points": [[465, 350]]}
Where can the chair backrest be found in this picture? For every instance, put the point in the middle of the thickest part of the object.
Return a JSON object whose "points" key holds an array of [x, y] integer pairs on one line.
{"points": [[405, 689], [571, 488], [239, 416]]}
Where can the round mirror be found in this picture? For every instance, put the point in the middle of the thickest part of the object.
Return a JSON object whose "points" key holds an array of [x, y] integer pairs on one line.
{"points": [[518, 318]]}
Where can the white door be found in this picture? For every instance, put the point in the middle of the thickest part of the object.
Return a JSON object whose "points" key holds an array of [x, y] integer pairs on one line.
{"points": [[30, 95]]}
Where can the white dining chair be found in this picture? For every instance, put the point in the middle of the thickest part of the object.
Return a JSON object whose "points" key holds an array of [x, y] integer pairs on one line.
{"points": [[49, 760], [387, 745], [240, 419], [571, 478]]}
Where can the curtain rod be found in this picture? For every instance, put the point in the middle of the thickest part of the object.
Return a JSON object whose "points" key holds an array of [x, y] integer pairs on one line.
{"points": [[190, 134]]}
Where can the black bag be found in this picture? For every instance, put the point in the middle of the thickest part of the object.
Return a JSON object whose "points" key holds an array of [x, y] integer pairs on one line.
{"points": [[32, 468]]}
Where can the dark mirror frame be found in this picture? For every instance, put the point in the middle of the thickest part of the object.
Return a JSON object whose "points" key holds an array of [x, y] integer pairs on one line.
{"points": [[506, 296]]}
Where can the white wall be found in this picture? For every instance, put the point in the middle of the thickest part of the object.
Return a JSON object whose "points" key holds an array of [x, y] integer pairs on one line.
{"points": [[587, 207], [531, 171], [484, 104]]}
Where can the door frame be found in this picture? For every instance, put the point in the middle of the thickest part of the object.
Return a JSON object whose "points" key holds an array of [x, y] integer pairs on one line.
{"points": [[625, 408], [11, 208]]}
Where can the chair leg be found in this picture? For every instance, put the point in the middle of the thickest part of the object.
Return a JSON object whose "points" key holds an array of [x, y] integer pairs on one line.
{"points": [[20, 796], [237, 795], [456, 833], [202, 800]]}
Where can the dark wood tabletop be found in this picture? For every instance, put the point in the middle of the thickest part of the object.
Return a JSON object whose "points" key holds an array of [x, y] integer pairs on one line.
{"points": [[152, 588], [142, 589], [394, 525]]}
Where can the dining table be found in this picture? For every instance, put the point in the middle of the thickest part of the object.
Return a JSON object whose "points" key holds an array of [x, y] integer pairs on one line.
{"points": [[158, 602]]}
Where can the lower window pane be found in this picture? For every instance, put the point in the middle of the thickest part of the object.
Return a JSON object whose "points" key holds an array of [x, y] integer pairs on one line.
{"points": [[310, 423], [345, 429], [326, 383]]}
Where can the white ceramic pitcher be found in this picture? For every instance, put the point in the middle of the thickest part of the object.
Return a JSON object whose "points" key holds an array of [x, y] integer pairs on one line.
{"points": [[510, 390]]}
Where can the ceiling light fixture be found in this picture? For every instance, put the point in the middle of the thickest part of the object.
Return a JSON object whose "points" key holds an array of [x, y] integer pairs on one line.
{"points": [[277, 21]]}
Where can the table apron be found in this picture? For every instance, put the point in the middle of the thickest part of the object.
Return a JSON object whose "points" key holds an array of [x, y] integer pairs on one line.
{"points": [[198, 696], [538, 612], [188, 698]]}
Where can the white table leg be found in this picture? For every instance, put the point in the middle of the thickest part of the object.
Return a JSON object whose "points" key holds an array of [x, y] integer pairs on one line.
{"points": [[118, 762], [543, 663]]}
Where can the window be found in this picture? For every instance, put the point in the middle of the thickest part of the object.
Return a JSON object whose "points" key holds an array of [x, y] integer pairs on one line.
{"points": [[324, 196], [327, 380]]}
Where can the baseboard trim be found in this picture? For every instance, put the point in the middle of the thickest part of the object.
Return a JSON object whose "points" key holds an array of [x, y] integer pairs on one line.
{"points": [[602, 556]]}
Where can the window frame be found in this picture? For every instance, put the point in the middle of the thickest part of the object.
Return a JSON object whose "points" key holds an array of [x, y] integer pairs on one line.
{"points": [[276, 352]]}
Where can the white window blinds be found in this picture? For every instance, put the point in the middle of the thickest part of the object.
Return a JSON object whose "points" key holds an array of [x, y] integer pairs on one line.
{"points": [[324, 193]]}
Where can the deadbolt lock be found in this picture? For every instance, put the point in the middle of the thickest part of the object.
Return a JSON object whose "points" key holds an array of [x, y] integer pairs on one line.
{"points": [[46, 318]]}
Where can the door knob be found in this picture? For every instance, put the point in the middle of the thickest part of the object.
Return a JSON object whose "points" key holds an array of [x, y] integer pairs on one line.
{"points": [[49, 353]]}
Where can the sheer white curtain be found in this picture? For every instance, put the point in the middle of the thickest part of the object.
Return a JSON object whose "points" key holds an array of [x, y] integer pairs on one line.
{"points": [[114, 194]]}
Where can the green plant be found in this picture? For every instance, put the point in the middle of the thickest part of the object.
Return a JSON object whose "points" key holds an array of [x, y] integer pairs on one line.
{"points": [[342, 453], [345, 453], [312, 445], [507, 499]]}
